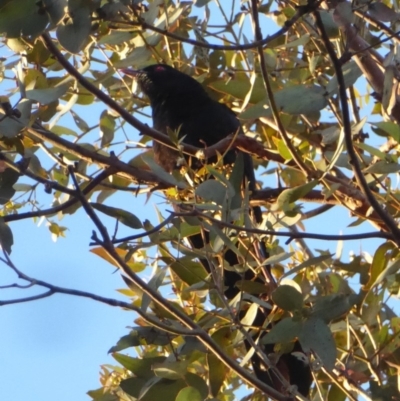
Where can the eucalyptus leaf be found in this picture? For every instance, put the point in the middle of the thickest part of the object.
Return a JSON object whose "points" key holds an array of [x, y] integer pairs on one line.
{"points": [[121, 215], [47, 95], [74, 32], [287, 298], [6, 236], [316, 336], [286, 330]]}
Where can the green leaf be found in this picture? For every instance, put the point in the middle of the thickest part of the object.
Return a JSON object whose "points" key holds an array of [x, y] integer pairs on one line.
{"points": [[301, 99], [351, 72], [47, 95], [161, 173], [315, 261], [10, 127], [55, 10], [330, 25], [213, 191], [142, 335], [189, 393], [287, 298], [286, 330], [389, 128], [74, 32], [22, 17], [201, 3], [316, 336], [217, 372], [189, 271], [379, 263], [239, 88], [278, 258], [333, 306], [121, 215], [289, 196], [7, 179], [164, 389], [140, 367], [80, 122], [250, 315], [295, 100], [382, 167], [6, 236], [107, 128], [172, 370], [132, 386], [372, 150]]}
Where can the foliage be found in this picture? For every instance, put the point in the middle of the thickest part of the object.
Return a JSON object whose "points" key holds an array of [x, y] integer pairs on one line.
{"points": [[315, 87]]}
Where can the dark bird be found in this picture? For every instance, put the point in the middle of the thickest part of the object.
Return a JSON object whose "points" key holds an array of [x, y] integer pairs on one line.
{"points": [[180, 103]]}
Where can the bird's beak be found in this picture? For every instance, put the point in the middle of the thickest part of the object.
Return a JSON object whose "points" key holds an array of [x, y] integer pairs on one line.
{"points": [[130, 72]]}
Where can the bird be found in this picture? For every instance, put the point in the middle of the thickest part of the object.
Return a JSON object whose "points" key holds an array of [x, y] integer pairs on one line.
{"points": [[180, 103]]}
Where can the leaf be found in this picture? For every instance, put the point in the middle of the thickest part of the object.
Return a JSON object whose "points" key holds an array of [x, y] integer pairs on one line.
{"points": [[189, 393], [286, 330], [164, 389], [329, 23], [140, 336], [287, 298], [297, 99], [132, 386], [351, 72], [47, 95], [74, 32], [213, 191], [382, 167], [140, 367], [189, 271], [161, 173], [291, 195], [55, 10], [121, 215], [389, 128], [22, 17], [301, 41], [301, 99], [7, 180], [201, 3], [123, 253], [6, 236], [170, 370], [250, 315], [239, 88], [338, 151], [10, 127], [81, 123], [334, 306], [107, 128], [217, 372], [316, 336], [278, 258], [372, 150], [315, 261]]}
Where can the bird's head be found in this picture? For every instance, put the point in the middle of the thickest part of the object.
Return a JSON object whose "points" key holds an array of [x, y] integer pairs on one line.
{"points": [[160, 81]]}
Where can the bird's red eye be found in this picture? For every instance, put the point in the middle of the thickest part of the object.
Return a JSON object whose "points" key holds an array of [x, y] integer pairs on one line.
{"points": [[159, 68]]}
